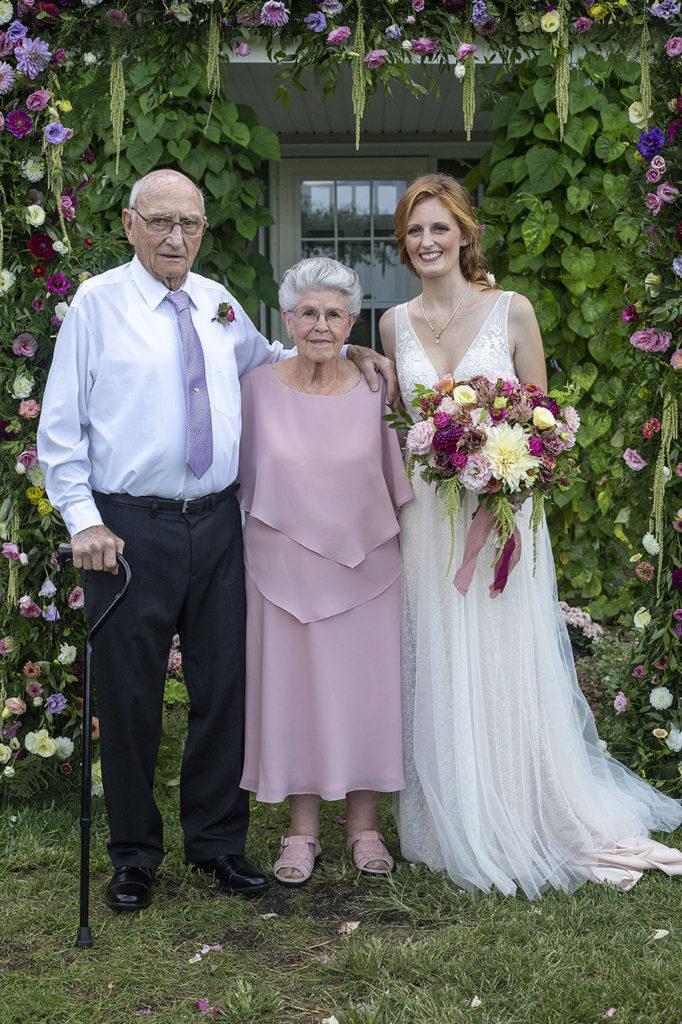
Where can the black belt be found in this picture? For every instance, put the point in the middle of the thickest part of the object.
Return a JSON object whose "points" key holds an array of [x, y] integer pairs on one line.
{"points": [[183, 505]]}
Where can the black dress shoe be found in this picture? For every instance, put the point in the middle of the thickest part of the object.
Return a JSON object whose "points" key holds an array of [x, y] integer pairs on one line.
{"points": [[130, 888], [235, 874]]}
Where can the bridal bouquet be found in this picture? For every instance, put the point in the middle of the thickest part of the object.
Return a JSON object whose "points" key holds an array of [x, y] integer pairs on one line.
{"points": [[503, 440]]}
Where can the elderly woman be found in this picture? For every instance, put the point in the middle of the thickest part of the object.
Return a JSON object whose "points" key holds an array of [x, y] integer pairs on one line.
{"points": [[321, 482]]}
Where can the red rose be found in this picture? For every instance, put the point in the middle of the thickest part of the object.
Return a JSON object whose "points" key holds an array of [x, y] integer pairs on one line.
{"points": [[40, 246]]}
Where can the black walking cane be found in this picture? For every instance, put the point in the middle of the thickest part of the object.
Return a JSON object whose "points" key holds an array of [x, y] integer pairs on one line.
{"points": [[84, 936]]}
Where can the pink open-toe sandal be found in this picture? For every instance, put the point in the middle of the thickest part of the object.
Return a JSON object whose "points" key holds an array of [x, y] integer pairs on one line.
{"points": [[301, 853], [368, 846]]}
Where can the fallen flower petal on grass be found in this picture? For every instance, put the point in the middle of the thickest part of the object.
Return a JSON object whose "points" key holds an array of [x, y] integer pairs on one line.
{"points": [[203, 1006], [339, 821], [194, 959], [324, 959], [210, 949], [348, 927], [476, 1001], [610, 1012], [266, 917], [330, 1020], [660, 933], [142, 1013]]}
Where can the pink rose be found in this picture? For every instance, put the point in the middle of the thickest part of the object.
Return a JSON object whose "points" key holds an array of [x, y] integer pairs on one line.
{"points": [[458, 460], [621, 701], [76, 598], [650, 340], [15, 705], [659, 163], [633, 460], [338, 35], [38, 100], [676, 359], [29, 409], [653, 175], [674, 46], [653, 202], [10, 551], [417, 5], [466, 50], [629, 314], [582, 24], [28, 458], [419, 438], [243, 50], [28, 608], [24, 345], [638, 671], [375, 58], [667, 193], [441, 419]]}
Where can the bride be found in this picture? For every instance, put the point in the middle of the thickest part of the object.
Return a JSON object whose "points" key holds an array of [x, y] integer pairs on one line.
{"points": [[506, 782]]}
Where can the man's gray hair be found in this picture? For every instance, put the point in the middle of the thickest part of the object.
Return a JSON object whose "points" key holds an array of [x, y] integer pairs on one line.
{"points": [[135, 191], [319, 273]]}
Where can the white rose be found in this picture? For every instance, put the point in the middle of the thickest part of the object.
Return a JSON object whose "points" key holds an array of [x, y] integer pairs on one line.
{"points": [[23, 386], [35, 215], [19, 468], [660, 698], [7, 279], [37, 701], [89, 58], [460, 70], [650, 544], [61, 309], [666, 472], [406, 44], [5, 753], [637, 114], [9, 772], [64, 747], [60, 248], [642, 618], [674, 739], [550, 22], [180, 11], [543, 418], [40, 743], [651, 283], [67, 654], [6, 13], [464, 395]]}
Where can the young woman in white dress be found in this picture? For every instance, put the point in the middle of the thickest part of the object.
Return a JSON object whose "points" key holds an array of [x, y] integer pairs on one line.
{"points": [[506, 781]]}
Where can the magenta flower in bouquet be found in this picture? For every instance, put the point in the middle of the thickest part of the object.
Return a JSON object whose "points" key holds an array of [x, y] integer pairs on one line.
{"points": [[502, 440]]}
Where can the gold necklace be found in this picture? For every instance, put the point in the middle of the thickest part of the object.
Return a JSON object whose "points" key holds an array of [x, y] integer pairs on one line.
{"points": [[436, 333]]}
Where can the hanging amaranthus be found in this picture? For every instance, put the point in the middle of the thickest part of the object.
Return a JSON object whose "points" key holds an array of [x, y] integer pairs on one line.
{"points": [[13, 578], [562, 67], [358, 92], [469, 85], [2, 229], [52, 151], [669, 431], [645, 76], [117, 93], [212, 64]]}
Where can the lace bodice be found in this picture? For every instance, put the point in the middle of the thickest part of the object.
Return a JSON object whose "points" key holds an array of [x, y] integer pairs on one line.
{"points": [[488, 353]]}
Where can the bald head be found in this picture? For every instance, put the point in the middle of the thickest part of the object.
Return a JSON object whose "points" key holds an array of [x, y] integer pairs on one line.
{"points": [[162, 179]]}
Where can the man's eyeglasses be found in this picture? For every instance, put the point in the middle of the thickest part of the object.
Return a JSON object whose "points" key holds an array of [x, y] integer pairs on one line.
{"points": [[333, 317], [189, 226]]}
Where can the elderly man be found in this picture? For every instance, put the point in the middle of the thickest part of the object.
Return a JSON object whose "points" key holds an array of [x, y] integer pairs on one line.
{"points": [[139, 441]]}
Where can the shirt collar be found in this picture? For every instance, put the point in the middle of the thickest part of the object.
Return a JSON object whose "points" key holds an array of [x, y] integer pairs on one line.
{"points": [[154, 292]]}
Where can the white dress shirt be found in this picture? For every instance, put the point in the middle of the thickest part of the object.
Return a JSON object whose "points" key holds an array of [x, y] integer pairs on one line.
{"points": [[113, 415]]}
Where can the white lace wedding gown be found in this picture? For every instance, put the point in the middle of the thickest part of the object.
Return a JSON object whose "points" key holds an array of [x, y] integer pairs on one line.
{"points": [[506, 784]]}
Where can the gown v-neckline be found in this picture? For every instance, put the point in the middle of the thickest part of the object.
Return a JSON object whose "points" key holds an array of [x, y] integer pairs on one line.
{"points": [[469, 347]]}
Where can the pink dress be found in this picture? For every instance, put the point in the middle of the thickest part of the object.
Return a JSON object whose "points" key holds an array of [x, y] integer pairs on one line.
{"points": [[321, 480]]}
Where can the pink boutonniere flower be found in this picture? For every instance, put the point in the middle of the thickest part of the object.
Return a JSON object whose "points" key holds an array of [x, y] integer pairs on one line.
{"points": [[225, 314]]}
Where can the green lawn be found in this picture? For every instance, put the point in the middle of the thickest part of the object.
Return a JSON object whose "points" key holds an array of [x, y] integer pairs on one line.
{"points": [[422, 952]]}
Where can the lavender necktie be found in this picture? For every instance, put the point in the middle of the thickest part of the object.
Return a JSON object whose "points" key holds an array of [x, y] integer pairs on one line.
{"points": [[199, 451]]}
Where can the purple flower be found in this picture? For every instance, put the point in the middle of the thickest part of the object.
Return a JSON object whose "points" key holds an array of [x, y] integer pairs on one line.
{"points": [[33, 56], [331, 7], [677, 630], [459, 460], [638, 671], [633, 460], [16, 31], [316, 21], [28, 458], [676, 358], [466, 50], [665, 9], [55, 703], [10, 550], [55, 133], [50, 614], [651, 340], [118, 17], [19, 123], [6, 46], [10, 732], [653, 202], [375, 58], [394, 32], [651, 143], [667, 193], [672, 129], [25, 344], [621, 701], [87, 156], [582, 24], [674, 46], [480, 14], [274, 13], [676, 579], [677, 265], [629, 314], [535, 447], [242, 50], [445, 440], [58, 284], [6, 77], [424, 46]]}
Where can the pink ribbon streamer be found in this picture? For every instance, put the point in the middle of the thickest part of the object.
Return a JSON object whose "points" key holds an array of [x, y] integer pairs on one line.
{"points": [[481, 525]]}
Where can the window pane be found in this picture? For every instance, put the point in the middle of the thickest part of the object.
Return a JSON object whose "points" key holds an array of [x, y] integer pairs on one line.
{"points": [[358, 255], [389, 274], [353, 201], [317, 209], [309, 249], [386, 196]]}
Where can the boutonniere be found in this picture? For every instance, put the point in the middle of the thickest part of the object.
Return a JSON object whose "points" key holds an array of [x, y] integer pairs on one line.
{"points": [[225, 314]]}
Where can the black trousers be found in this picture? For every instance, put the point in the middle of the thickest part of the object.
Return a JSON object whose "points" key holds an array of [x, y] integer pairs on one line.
{"points": [[188, 577]]}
